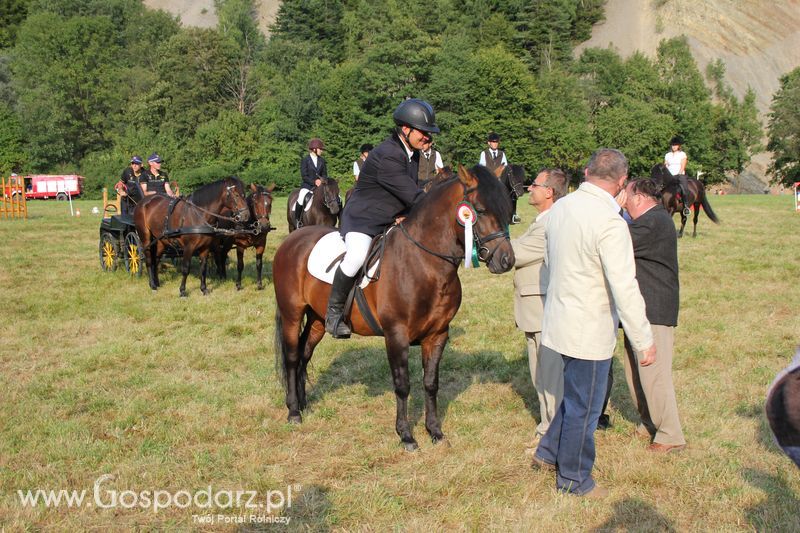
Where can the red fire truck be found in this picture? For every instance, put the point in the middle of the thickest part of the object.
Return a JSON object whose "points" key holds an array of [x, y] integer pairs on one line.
{"points": [[45, 186]]}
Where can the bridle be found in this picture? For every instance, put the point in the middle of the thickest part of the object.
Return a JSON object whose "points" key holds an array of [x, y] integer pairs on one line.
{"points": [[267, 199], [484, 253], [237, 213], [329, 200]]}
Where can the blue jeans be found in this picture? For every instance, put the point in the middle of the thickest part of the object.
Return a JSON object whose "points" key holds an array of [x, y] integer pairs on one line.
{"points": [[569, 442]]}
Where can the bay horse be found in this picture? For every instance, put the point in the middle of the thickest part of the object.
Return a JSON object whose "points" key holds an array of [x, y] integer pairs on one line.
{"points": [[670, 197], [325, 206], [414, 300], [252, 235], [188, 222]]}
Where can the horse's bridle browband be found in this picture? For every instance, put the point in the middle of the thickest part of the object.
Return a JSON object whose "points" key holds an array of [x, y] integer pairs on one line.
{"points": [[480, 241]]}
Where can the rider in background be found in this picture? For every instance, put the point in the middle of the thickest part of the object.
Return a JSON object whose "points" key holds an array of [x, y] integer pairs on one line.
{"points": [[128, 185], [493, 158], [386, 188], [430, 161], [358, 163], [313, 170], [154, 180], [675, 161]]}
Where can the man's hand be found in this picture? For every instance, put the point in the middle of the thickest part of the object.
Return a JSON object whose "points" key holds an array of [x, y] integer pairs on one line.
{"points": [[648, 356], [622, 197]]}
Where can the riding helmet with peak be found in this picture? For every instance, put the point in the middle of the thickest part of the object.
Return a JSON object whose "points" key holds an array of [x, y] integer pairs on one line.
{"points": [[316, 144], [416, 113], [493, 137], [677, 140]]}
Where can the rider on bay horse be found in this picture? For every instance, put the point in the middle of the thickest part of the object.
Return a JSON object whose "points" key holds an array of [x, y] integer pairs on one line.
{"points": [[387, 187], [313, 170], [675, 161]]}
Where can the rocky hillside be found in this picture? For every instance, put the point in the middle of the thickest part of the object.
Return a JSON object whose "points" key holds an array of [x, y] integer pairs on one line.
{"points": [[758, 40], [201, 12]]}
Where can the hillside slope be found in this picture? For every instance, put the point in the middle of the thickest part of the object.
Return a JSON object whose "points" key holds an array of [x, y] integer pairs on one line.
{"points": [[201, 12], [758, 40]]}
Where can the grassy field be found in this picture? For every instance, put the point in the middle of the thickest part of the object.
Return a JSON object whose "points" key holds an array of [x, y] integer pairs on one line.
{"points": [[102, 377]]}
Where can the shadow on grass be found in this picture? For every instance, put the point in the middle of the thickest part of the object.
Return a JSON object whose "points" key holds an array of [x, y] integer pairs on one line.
{"points": [[778, 511], [635, 515], [309, 512], [457, 372], [763, 433]]}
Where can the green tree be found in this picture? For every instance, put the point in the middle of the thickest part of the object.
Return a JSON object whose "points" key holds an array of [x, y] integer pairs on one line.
{"points": [[784, 130], [12, 13], [68, 81], [12, 138]]}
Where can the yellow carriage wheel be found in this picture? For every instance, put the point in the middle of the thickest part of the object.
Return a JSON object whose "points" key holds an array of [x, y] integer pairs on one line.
{"points": [[134, 255], [109, 252]]}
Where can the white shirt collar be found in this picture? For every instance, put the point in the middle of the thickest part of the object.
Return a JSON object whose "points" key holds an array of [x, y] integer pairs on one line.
{"points": [[542, 214], [314, 158]]}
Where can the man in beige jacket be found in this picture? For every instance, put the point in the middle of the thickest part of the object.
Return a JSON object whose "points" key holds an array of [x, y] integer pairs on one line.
{"points": [[530, 285], [592, 287]]}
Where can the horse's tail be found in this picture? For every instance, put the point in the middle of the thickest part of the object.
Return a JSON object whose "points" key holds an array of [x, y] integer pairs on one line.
{"points": [[708, 210], [280, 350]]}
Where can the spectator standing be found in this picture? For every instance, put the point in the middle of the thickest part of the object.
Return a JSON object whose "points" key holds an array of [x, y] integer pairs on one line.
{"points": [[592, 287]]}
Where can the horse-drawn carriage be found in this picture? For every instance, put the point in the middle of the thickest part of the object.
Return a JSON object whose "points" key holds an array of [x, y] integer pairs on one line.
{"points": [[213, 219]]}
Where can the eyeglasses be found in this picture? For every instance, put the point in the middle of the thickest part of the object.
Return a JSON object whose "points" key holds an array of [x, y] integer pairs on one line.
{"points": [[534, 184]]}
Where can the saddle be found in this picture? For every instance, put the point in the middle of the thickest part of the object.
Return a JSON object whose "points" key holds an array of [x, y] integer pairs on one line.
{"points": [[324, 259]]}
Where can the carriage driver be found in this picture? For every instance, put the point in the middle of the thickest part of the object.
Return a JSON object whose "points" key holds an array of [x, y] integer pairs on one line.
{"points": [[313, 170], [675, 161], [386, 188], [128, 185], [154, 180]]}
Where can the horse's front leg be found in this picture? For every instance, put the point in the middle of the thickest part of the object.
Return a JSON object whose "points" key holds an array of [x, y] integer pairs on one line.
{"points": [[397, 351], [185, 264], [239, 266], [259, 266], [694, 219], [203, 265], [432, 348], [683, 224]]}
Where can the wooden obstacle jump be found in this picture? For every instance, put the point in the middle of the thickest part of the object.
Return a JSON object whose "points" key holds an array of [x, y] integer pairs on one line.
{"points": [[14, 203]]}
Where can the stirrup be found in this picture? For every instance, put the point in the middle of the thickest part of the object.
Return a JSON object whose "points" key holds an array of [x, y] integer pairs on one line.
{"points": [[686, 211], [337, 327]]}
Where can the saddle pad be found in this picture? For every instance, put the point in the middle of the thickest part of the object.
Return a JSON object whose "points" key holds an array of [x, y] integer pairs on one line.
{"points": [[327, 249], [308, 197]]}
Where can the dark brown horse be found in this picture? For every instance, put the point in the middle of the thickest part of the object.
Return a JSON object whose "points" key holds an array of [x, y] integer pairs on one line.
{"points": [[414, 300], [189, 223], [670, 197], [325, 206], [252, 235]]}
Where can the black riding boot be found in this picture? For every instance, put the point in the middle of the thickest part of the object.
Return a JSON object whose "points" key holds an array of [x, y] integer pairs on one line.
{"points": [[334, 317], [298, 215], [685, 196]]}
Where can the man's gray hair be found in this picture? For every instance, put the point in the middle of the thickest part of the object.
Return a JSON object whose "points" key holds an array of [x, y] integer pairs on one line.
{"points": [[556, 179], [607, 164]]}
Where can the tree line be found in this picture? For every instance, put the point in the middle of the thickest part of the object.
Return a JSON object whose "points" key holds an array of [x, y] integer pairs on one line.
{"points": [[85, 84]]}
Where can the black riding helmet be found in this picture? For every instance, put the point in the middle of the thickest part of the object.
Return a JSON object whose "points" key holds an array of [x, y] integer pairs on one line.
{"points": [[676, 140], [417, 114], [493, 137]]}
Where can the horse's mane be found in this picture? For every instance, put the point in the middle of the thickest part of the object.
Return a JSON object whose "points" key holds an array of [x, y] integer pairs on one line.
{"points": [[492, 193], [211, 191]]}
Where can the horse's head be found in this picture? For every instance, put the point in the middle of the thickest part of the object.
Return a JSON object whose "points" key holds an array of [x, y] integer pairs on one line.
{"points": [[492, 205], [661, 175], [260, 204], [330, 195], [513, 178], [233, 199]]}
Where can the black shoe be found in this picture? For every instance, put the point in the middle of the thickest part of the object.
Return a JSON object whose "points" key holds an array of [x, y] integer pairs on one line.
{"points": [[334, 317], [604, 422]]}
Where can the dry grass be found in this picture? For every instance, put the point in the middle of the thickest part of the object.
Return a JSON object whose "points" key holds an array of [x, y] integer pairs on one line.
{"points": [[101, 376]]}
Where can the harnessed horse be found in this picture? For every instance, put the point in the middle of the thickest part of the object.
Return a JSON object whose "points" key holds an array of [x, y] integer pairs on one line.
{"points": [[189, 222], [324, 209], [254, 234], [413, 301]]}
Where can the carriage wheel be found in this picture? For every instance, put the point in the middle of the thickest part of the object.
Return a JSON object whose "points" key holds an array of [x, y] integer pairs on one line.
{"points": [[109, 252], [134, 254]]}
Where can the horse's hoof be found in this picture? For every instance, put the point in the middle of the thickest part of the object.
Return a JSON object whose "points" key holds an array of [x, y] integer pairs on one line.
{"points": [[410, 446], [238, 287], [184, 295], [205, 292], [441, 440], [295, 419], [260, 288]]}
